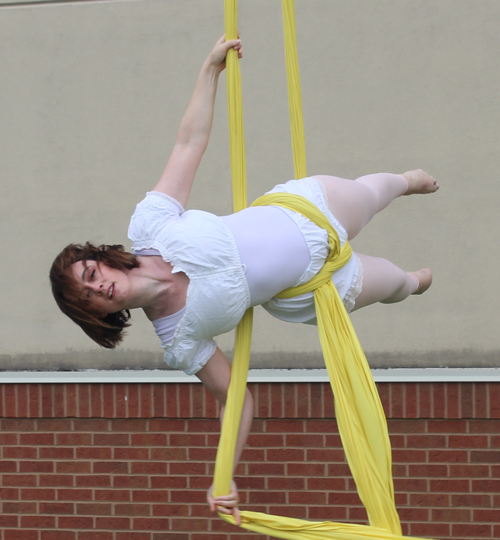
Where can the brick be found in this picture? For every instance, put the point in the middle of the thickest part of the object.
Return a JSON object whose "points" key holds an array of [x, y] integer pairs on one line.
{"points": [[131, 535], [130, 482], [267, 497], [284, 426], [490, 515], [343, 498], [74, 495], [148, 467], [70, 400], [9, 521], [426, 441], [410, 456], [447, 485], [326, 455], [198, 400], [468, 441], [112, 495], [305, 469], [177, 509], [37, 439], [411, 484], [289, 511], [483, 485], [281, 455], [304, 498], [469, 499], [54, 424], [74, 467], [484, 426], [330, 513], [11, 466], [95, 535], [19, 480], [56, 508], [57, 535], [327, 483], [94, 509], [113, 523], [469, 471], [170, 454], [326, 425], [38, 494], [303, 441], [92, 480], [287, 483], [56, 452], [19, 507], [466, 400], [207, 454], [96, 398], [76, 522], [93, 453], [276, 397], [110, 467], [17, 424], [485, 456], [38, 522], [197, 496], [451, 515], [9, 494], [172, 400], [19, 534], [428, 471], [74, 439], [185, 403], [8, 439], [187, 468], [472, 530], [112, 439], [429, 499], [431, 530], [150, 439], [9, 391], [92, 424], [54, 480], [135, 509], [22, 400], [20, 452], [153, 523], [152, 496], [448, 456], [36, 466]]}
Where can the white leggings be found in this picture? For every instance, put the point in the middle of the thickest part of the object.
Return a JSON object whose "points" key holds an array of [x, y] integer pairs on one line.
{"points": [[354, 203]]}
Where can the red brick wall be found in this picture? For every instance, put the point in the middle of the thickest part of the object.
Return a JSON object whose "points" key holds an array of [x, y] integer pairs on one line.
{"points": [[133, 461]]}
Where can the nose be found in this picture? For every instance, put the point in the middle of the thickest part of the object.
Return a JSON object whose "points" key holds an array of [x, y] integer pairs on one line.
{"points": [[96, 287]]}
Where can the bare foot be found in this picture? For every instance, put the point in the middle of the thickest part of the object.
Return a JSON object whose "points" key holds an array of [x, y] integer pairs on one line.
{"points": [[424, 277], [420, 182]]}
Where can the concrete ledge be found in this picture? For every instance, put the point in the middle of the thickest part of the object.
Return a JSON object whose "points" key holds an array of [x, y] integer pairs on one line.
{"points": [[255, 376]]}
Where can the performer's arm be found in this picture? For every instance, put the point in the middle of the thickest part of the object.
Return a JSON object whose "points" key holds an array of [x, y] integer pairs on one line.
{"points": [[196, 125], [215, 376]]}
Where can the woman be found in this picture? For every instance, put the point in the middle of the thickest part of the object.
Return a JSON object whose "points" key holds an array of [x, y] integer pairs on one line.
{"points": [[194, 274]]}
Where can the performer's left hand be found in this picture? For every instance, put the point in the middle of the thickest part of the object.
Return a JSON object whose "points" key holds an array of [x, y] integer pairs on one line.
{"points": [[225, 504]]}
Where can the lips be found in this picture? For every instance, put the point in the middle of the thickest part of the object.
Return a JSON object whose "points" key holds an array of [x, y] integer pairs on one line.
{"points": [[111, 291]]}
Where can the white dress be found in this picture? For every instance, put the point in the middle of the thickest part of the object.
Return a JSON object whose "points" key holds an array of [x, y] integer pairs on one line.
{"points": [[204, 247]]}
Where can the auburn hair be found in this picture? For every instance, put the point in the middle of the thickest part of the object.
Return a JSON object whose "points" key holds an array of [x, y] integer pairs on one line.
{"points": [[106, 331]]}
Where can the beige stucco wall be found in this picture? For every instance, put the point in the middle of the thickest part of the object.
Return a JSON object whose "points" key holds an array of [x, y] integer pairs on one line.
{"points": [[91, 96]]}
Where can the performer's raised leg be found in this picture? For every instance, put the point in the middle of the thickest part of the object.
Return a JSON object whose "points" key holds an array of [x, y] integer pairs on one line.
{"points": [[354, 203]]}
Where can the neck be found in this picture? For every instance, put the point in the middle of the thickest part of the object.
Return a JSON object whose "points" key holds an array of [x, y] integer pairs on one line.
{"points": [[159, 291]]}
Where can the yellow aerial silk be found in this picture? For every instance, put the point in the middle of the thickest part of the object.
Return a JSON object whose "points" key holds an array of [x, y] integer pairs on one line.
{"points": [[360, 416]]}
